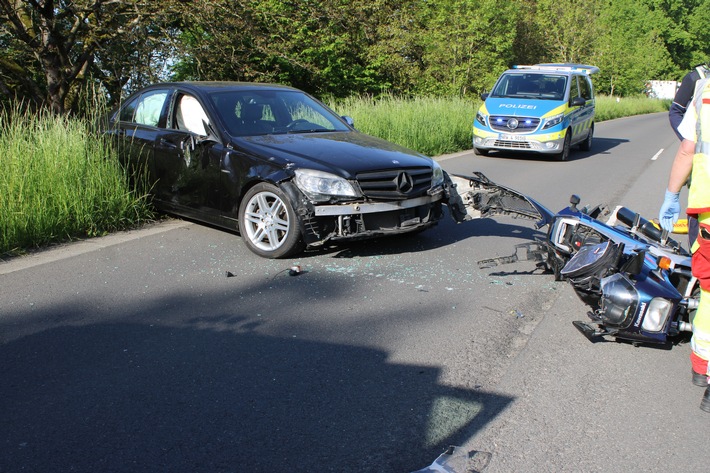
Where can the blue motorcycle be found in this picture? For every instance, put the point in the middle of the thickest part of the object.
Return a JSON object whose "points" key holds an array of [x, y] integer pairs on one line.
{"points": [[635, 278]]}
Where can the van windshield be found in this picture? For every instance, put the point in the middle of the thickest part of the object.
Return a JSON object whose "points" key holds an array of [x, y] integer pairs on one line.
{"points": [[530, 86]]}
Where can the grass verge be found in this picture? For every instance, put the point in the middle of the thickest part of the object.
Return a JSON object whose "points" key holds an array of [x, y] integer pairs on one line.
{"points": [[59, 182]]}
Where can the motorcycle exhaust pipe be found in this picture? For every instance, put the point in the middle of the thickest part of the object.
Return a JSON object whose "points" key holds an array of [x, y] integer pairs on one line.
{"points": [[685, 327], [690, 303]]}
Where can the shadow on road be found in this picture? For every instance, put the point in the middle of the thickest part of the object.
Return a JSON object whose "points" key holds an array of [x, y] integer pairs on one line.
{"points": [[186, 384], [599, 146], [446, 233]]}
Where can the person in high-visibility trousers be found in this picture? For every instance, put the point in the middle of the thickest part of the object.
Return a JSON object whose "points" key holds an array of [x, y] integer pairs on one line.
{"points": [[693, 160], [681, 102]]}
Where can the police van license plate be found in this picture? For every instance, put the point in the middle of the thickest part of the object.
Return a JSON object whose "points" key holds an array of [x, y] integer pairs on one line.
{"points": [[503, 137]]}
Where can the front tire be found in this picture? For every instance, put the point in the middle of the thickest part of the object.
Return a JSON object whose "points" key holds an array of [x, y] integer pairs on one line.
{"points": [[586, 145], [480, 152], [564, 154], [267, 222]]}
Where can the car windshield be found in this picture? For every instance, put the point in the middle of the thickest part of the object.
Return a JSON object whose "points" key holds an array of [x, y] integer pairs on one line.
{"points": [[530, 86], [262, 112]]}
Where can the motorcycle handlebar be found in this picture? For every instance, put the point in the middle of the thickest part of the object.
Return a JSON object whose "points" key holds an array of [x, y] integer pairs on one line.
{"points": [[643, 226]]}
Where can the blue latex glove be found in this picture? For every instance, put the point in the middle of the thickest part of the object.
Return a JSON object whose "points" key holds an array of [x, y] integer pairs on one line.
{"points": [[670, 210]]}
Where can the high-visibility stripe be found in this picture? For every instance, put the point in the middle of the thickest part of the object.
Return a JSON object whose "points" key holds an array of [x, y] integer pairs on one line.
{"points": [[700, 343], [699, 193]]}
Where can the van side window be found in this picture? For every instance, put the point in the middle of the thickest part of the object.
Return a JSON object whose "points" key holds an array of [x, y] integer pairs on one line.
{"points": [[574, 88], [585, 88]]}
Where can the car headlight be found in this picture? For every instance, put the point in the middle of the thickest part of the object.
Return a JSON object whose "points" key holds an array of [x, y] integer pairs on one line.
{"points": [[321, 186], [480, 118], [552, 121], [437, 174], [656, 314]]}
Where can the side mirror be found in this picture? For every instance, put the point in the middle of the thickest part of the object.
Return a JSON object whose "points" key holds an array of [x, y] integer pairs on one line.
{"points": [[577, 102], [484, 96], [211, 135], [349, 120]]}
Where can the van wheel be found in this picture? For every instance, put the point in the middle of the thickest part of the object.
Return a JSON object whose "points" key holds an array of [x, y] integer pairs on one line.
{"points": [[564, 154], [586, 145]]}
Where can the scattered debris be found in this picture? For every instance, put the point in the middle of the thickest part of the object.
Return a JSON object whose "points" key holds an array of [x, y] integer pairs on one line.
{"points": [[491, 308], [457, 460], [230, 274]]}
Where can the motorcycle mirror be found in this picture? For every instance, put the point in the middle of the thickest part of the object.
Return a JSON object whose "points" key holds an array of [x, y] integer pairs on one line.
{"points": [[634, 265], [574, 200]]}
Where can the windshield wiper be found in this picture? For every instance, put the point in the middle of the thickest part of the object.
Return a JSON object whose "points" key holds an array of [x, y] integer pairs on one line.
{"points": [[310, 130]]}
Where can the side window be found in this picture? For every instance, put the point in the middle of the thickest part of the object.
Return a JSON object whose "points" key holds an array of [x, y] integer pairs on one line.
{"points": [[585, 88], [574, 88], [190, 116], [149, 107], [128, 110]]}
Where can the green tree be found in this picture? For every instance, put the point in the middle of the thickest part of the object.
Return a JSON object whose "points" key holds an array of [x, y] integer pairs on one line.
{"points": [[699, 32], [570, 29], [631, 55], [318, 45], [56, 47], [466, 45]]}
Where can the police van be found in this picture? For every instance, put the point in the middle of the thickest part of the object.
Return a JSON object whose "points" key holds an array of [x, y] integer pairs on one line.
{"points": [[544, 108]]}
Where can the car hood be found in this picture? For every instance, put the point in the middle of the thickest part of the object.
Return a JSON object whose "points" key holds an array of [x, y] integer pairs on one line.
{"points": [[521, 107], [343, 153]]}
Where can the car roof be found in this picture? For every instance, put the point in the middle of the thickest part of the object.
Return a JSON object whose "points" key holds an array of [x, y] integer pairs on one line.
{"points": [[560, 68], [213, 86]]}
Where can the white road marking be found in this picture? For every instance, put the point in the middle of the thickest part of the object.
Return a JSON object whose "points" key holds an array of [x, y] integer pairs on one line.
{"points": [[655, 156]]}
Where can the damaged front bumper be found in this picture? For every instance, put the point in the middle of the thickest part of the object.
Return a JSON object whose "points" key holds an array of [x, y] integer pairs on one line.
{"points": [[468, 197], [323, 223]]}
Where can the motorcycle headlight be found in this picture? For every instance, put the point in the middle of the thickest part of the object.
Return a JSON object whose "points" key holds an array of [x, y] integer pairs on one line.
{"points": [[552, 121], [321, 186], [656, 314], [619, 300], [437, 174], [480, 118]]}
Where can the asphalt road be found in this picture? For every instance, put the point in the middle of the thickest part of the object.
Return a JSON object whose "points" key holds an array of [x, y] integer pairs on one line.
{"points": [[175, 349]]}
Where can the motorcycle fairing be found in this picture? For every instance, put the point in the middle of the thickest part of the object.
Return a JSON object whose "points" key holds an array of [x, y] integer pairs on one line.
{"points": [[475, 196]]}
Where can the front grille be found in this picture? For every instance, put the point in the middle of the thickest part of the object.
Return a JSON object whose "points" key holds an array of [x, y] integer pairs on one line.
{"points": [[524, 125], [513, 144], [395, 184]]}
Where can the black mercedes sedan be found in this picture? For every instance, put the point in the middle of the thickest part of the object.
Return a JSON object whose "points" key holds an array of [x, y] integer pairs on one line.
{"points": [[273, 163]]}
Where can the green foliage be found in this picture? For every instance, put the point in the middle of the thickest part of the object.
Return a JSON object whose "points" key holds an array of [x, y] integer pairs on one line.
{"points": [[699, 33], [60, 181], [570, 29], [53, 56], [465, 45], [629, 56]]}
